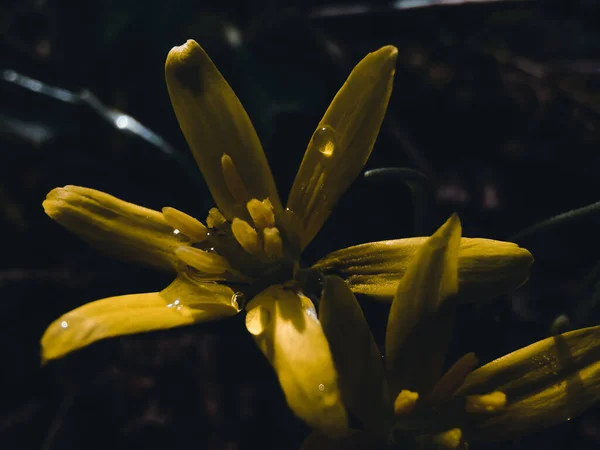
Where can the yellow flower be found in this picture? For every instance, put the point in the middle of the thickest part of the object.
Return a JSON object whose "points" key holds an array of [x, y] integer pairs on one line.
{"points": [[246, 255], [407, 401]]}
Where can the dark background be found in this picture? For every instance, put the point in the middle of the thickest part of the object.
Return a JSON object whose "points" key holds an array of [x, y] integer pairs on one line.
{"points": [[497, 103]]}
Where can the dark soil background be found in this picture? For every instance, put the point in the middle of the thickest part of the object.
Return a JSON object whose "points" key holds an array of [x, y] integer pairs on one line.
{"points": [[497, 103]]}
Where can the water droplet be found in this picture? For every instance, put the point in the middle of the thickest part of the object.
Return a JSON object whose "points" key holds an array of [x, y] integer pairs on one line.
{"points": [[176, 231], [236, 299], [257, 320], [174, 304], [324, 140], [64, 324], [321, 387]]}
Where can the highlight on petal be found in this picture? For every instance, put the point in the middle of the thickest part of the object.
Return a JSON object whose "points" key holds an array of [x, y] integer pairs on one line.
{"points": [[183, 302], [356, 356], [285, 327], [421, 320], [486, 268], [114, 226], [343, 141], [216, 126], [545, 383]]}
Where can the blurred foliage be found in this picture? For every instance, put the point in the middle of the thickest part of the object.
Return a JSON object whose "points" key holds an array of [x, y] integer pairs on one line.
{"points": [[496, 103]]}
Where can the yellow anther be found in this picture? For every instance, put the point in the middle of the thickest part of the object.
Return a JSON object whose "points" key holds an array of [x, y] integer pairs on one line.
{"points": [[188, 225], [234, 183], [215, 219], [273, 244], [453, 378], [485, 403], [262, 215], [201, 260], [449, 439], [246, 236], [405, 402]]}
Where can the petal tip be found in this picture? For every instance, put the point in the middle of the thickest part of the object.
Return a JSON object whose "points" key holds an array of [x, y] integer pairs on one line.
{"points": [[388, 55], [184, 63], [55, 199], [184, 51], [390, 50]]}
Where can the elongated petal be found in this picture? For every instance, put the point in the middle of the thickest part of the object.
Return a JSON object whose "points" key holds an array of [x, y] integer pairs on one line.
{"points": [[486, 268], [215, 124], [285, 327], [420, 320], [356, 440], [343, 141], [356, 356], [114, 226], [184, 302], [545, 383]]}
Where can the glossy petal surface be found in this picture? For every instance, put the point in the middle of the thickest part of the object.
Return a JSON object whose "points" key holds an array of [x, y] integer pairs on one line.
{"points": [[215, 123], [184, 302], [486, 268], [284, 324], [545, 383], [420, 321], [114, 226], [343, 141], [356, 356]]}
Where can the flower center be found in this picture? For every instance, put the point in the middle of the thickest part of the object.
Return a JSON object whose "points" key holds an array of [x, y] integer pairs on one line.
{"points": [[248, 251]]}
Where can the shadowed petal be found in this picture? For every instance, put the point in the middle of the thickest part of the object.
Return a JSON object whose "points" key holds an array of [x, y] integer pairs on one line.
{"points": [[420, 320], [357, 357]]}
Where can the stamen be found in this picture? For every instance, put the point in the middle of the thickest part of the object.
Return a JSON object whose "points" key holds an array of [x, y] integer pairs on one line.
{"points": [[188, 225], [262, 215], [485, 403], [449, 439], [246, 236], [233, 181], [202, 261], [273, 245], [405, 402], [215, 219]]}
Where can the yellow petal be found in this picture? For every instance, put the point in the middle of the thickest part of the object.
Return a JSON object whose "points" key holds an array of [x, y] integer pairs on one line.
{"points": [[114, 226], [420, 320], [357, 357], [343, 141], [356, 440], [215, 124], [486, 268], [184, 302], [284, 324], [545, 383]]}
